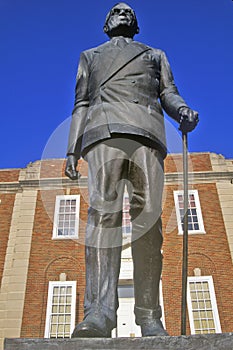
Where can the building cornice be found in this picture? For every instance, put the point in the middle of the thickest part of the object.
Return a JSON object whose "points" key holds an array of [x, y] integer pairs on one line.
{"points": [[200, 177]]}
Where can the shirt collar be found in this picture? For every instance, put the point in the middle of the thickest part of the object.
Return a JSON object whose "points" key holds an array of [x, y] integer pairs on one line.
{"points": [[116, 39]]}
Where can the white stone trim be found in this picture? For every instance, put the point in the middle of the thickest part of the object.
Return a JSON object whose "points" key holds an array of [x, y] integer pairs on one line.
{"points": [[225, 194], [14, 281]]}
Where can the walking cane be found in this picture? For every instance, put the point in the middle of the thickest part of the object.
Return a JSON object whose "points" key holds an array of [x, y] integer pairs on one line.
{"points": [[185, 235]]}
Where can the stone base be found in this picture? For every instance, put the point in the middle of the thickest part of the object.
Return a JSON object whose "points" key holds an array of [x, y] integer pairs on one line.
{"points": [[193, 342]]}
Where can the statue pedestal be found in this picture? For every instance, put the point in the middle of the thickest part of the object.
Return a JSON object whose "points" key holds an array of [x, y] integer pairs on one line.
{"points": [[200, 342]]}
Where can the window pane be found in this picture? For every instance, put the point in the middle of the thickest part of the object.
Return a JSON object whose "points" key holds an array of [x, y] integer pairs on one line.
{"points": [[201, 304], [62, 299], [67, 329], [209, 314], [68, 319], [202, 314], [211, 324], [54, 319], [194, 218], [55, 290], [61, 309], [63, 290], [195, 305], [69, 290], [68, 300], [206, 295], [197, 324], [193, 294], [196, 315], [204, 325], [198, 285], [68, 309], [53, 329], [60, 329], [61, 319], [55, 300], [54, 309]]}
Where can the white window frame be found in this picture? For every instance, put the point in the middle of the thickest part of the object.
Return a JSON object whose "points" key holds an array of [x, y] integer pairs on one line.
{"points": [[216, 319], [161, 301], [53, 284], [56, 216], [198, 209]]}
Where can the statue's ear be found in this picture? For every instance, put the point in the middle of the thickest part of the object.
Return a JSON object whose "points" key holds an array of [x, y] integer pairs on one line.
{"points": [[105, 29]]}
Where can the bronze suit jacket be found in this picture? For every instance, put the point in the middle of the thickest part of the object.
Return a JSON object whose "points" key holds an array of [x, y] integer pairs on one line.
{"points": [[123, 91]]}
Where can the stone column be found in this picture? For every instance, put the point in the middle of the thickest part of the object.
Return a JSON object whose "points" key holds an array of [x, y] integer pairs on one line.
{"points": [[225, 193], [13, 288]]}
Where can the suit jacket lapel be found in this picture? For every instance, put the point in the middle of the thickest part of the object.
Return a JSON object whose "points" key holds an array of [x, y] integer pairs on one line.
{"points": [[120, 57]]}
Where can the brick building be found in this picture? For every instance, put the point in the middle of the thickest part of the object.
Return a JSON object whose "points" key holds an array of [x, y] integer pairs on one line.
{"points": [[42, 271]]}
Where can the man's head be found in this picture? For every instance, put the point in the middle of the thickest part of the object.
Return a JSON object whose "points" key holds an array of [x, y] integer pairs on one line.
{"points": [[121, 21]]}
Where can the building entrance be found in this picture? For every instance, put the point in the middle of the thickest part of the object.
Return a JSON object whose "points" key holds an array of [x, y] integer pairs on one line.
{"points": [[126, 326]]}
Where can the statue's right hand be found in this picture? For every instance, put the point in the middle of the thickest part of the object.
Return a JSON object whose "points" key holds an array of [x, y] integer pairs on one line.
{"points": [[70, 169]]}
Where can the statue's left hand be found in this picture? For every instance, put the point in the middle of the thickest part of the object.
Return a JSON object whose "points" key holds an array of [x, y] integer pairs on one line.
{"points": [[188, 119]]}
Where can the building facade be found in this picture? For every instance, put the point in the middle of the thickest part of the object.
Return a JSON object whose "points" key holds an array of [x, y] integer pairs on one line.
{"points": [[42, 269]]}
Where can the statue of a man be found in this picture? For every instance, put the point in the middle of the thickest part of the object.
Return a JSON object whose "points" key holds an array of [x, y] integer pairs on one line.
{"points": [[118, 128]]}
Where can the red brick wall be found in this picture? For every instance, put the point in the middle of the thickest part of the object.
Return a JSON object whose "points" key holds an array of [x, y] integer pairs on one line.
{"points": [[6, 209], [55, 168], [197, 162], [173, 163], [9, 175]]}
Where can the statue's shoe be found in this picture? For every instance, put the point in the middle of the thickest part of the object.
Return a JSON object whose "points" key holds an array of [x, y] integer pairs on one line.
{"points": [[92, 327], [153, 328]]}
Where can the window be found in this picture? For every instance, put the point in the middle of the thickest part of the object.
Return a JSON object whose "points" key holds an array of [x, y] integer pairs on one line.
{"points": [[202, 306], [66, 216], [126, 219], [195, 221], [60, 316]]}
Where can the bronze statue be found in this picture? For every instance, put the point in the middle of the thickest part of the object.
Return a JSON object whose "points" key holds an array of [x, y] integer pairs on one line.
{"points": [[118, 128]]}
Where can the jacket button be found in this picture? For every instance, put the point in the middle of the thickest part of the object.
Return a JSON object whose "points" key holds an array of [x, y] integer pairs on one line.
{"points": [[135, 100], [133, 81]]}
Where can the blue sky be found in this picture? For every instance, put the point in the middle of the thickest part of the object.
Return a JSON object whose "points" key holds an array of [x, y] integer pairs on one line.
{"points": [[40, 44]]}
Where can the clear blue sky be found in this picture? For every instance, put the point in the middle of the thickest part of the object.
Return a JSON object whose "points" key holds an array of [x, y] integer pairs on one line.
{"points": [[40, 43]]}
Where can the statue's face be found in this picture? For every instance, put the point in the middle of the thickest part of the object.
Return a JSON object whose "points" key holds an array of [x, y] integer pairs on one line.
{"points": [[121, 20]]}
